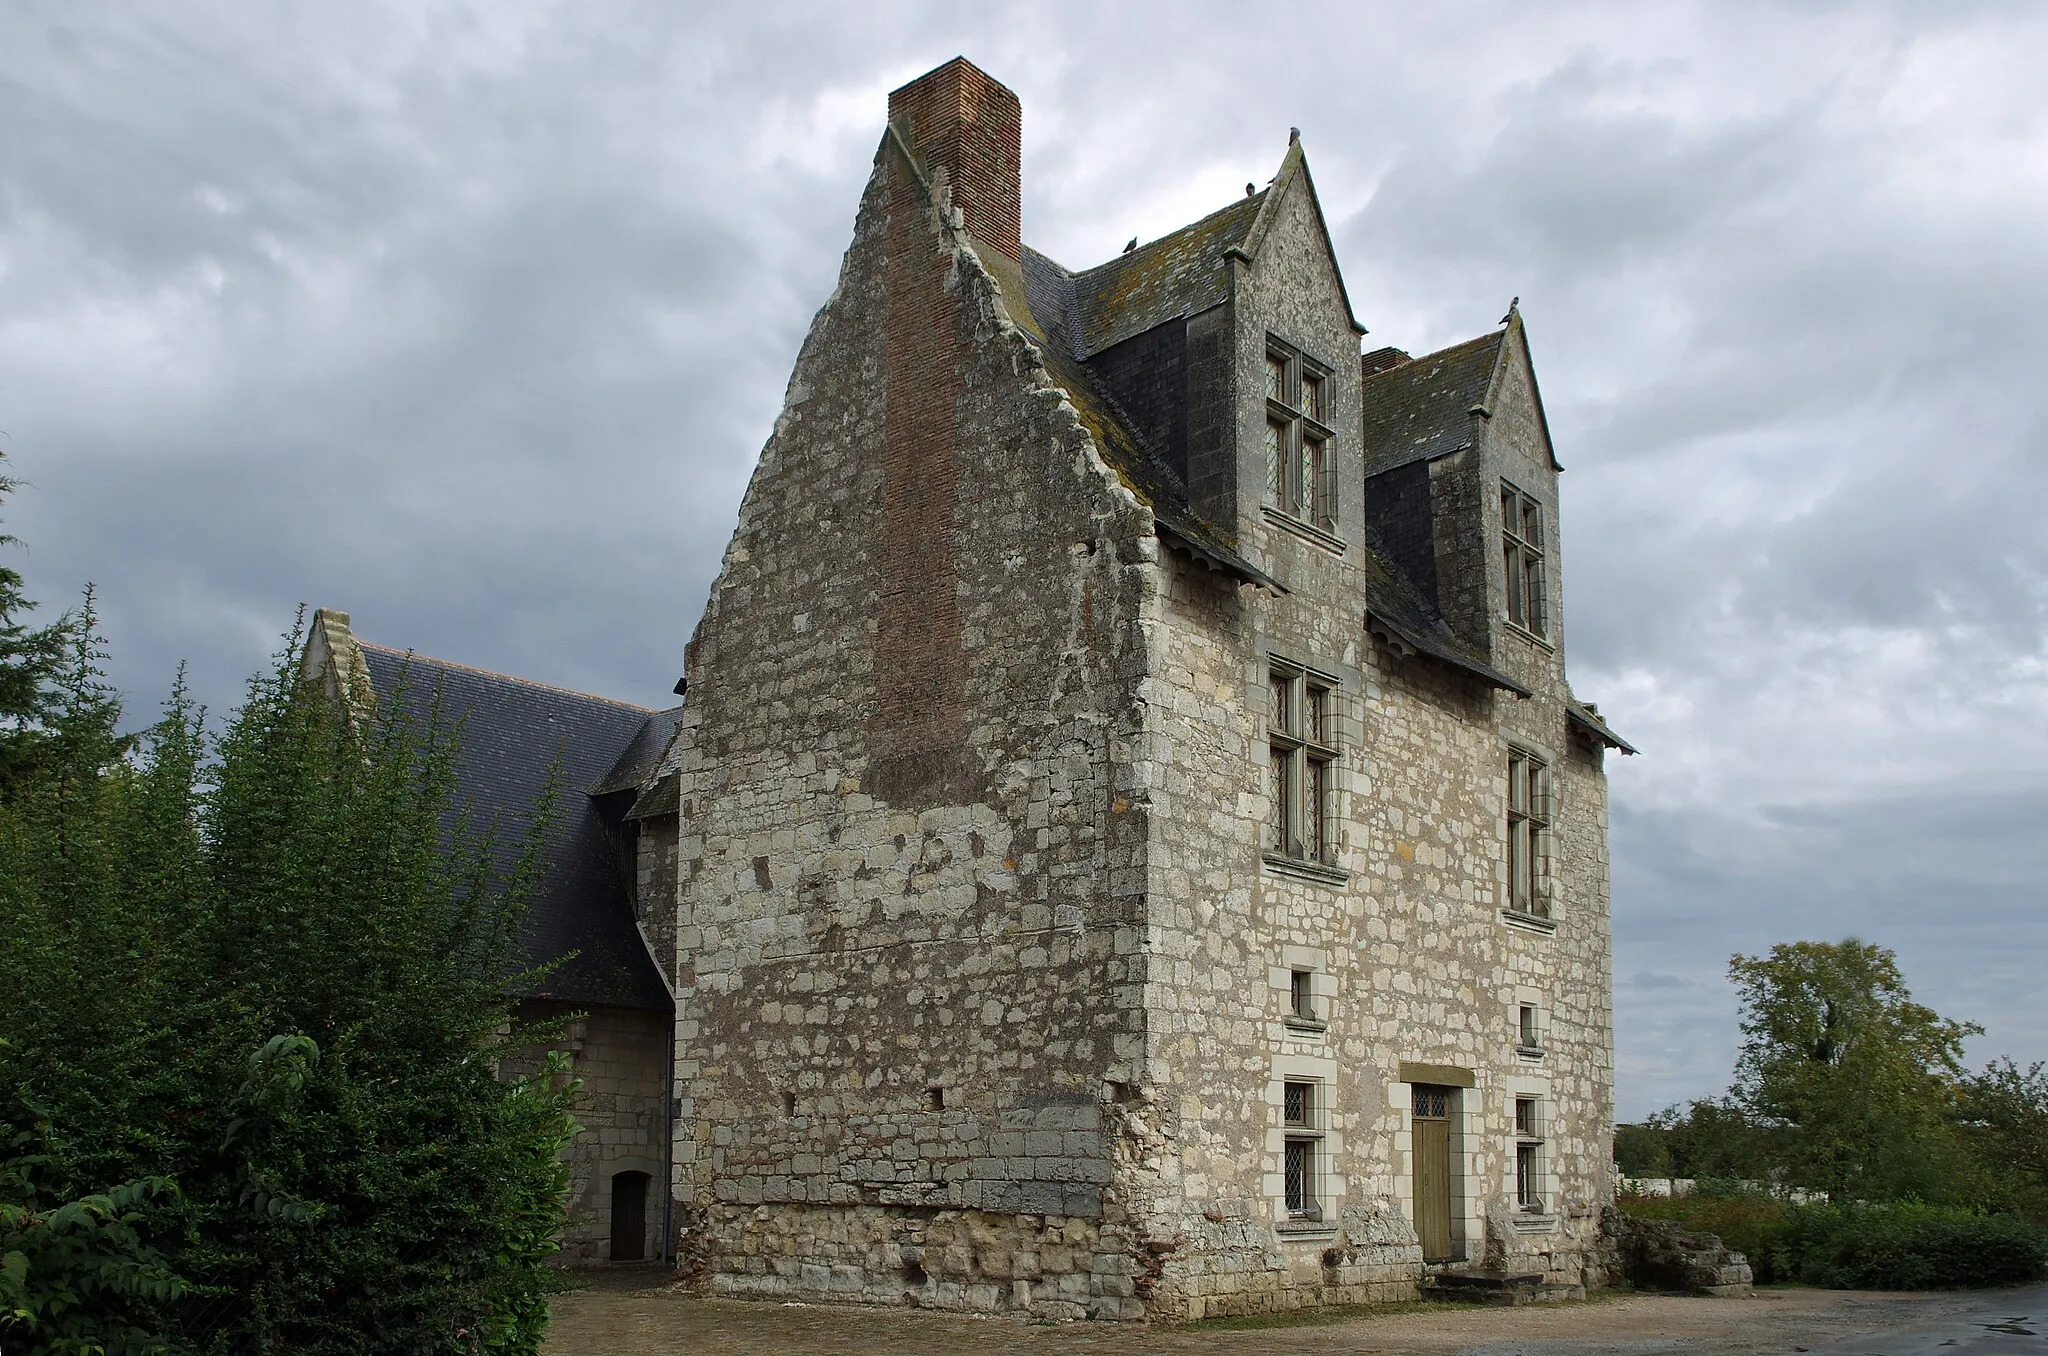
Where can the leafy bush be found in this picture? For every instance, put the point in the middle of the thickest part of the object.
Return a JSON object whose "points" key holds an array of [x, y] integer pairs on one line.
{"points": [[1906, 1246], [1752, 1223], [1911, 1247]]}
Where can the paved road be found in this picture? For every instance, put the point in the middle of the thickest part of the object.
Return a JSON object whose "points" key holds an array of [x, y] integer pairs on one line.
{"points": [[621, 1315], [2012, 1322]]}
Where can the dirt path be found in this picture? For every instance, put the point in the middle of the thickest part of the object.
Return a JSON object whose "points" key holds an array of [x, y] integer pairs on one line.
{"points": [[655, 1322]]}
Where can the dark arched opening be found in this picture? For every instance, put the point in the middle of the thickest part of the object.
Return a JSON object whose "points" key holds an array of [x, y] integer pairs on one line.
{"points": [[629, 1216]]}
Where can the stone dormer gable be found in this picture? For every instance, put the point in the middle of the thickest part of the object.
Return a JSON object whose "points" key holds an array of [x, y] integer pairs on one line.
{"points": [[1514, 376], [1294, 177], [1123, 337], [1419, 409]]}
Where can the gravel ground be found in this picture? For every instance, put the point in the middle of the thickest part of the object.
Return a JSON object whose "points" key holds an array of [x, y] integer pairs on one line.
{"points": [[613, 1316]]}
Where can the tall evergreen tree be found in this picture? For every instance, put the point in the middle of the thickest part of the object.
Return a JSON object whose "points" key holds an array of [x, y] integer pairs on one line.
{"points": [[30, 660], [251, 1006]]}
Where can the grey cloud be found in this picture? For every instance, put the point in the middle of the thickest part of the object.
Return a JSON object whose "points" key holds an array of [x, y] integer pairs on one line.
{"points": [[471, 319]]}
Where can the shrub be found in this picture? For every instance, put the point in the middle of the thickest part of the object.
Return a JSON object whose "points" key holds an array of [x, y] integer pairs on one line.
{"points": [[1910, 1247], [1750, 1222], [1868, 1247]]}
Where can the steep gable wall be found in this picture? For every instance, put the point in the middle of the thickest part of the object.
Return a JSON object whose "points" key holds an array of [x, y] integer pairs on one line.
{"points": [[911, 847]]}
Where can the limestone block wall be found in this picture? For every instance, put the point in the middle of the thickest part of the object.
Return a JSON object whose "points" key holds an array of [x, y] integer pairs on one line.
{"points": [[1412, 958], [654, 888], [621, 1057], [911, 853]]}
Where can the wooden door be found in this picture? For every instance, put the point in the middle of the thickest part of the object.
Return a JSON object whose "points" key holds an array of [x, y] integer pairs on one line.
{"points": [[1431, 1135], [629, 1216]]}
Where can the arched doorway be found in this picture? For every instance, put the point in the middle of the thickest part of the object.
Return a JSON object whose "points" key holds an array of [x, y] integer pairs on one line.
{"points": [[629, 1216]]}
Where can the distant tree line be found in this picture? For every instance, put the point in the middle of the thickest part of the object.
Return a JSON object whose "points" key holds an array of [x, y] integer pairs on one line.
{"points": [[1848, 1092], [252, 999]]}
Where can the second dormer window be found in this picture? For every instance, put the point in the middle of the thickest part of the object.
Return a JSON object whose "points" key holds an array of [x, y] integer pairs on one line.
{"points": [[1301, 467]]}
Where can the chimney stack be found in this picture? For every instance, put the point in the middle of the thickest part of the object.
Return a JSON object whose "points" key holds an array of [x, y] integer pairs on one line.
{"points": [[966, 128]]}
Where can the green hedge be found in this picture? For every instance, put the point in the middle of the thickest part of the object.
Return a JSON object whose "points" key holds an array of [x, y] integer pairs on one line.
{"points": [[1905, 1246], [1911, 1247]]}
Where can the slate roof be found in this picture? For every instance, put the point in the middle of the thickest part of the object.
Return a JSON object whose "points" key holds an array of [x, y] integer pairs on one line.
{"points": [[1184, 273], [513, 733], [1422, 410], [1393, 604], [1055, 301], [1180, 274]]}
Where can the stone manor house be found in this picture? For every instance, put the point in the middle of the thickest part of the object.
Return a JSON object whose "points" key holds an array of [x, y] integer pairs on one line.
{"points": [[1128, 846]]}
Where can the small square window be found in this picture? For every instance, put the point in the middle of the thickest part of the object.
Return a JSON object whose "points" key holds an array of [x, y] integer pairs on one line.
{"points": [[935, 1099], [1298, 1105], [1526, 1034], [1528, 1123], [1301, 994]]}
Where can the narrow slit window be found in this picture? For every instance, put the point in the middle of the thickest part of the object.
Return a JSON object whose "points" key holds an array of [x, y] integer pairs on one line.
{"points": [[1301, 995]]}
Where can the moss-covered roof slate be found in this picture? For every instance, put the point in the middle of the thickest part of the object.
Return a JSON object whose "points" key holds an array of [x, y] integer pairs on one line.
{"points": [[1421, 410], [1180, 274]]}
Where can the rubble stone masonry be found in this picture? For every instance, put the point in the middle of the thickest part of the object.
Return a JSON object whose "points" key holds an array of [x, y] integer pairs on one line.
{"points": [[983, 975]]}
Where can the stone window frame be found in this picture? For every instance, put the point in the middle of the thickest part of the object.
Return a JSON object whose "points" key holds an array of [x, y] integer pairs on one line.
{"points": [[1302, 973], [1525, 592], [1302, 757], [1532, 1182], [1529, 1030], [1530, 811], [1299, 443], [1304, 1121], [1327, 1128]]}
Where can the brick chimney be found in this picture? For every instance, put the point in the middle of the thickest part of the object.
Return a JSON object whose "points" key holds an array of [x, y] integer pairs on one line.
{"points": [[967, 129], [1383, 360]]}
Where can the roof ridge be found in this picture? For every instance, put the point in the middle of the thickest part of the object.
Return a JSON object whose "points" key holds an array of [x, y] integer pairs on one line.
{"points": [[1490, 335], [514, 678], [1160, 240]]}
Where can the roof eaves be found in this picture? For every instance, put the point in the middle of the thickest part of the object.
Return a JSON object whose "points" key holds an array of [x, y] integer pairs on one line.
{"points": [[1596, 725], [1214, 555], [1417, 640]]}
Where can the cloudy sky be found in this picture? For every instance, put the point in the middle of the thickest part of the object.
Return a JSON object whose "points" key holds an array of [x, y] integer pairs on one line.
{"points": [[470, 320]]}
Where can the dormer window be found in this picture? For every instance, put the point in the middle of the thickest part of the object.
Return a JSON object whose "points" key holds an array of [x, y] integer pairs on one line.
{"points": [[1301, 465], [1522, 558]]}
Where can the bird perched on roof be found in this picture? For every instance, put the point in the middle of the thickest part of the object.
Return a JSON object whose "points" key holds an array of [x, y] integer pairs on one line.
{"points": [[1133, 244], [1248, 190], [1512, 306]]}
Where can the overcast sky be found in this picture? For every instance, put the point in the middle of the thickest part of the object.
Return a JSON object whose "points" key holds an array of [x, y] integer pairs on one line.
{"points": [[470, 320]]}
